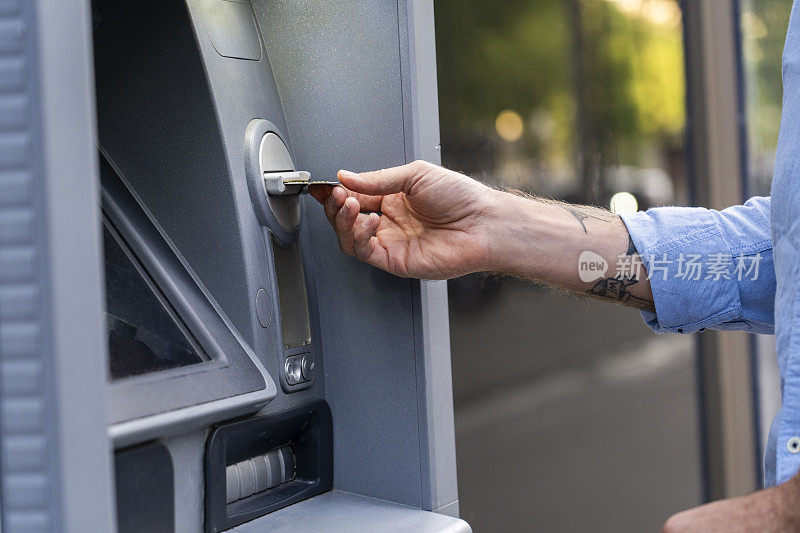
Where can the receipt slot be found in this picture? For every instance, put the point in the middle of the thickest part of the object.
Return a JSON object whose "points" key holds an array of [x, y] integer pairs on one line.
{"points": [[176, 316]]}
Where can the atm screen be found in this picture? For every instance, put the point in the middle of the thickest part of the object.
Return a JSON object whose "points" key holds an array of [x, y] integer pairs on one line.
{"points": [[292, 298], [144, 333]]}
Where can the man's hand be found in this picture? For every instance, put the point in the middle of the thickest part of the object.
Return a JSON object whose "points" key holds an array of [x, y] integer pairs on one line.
{"points": [[770, 510], [417, 220], [424, 221]]}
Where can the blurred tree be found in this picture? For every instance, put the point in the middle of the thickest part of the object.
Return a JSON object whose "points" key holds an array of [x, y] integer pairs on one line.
{"points": [[607, 75], [494, 56], [764, 24]]}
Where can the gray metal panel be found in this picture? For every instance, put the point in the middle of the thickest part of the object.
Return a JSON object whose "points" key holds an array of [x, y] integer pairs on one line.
{"points": [[437, 432], [337, 69], [56, 462], [233, 369], [340, 512], [451, 509], [157, 124], [243, 90], [181, 421], [187, 454], [375, 108], [232, 29], [195, 183], [434, 376], [420, 90]]}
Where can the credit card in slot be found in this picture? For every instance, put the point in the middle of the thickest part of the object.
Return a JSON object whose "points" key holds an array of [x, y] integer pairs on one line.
{"points": [[312, 181]]}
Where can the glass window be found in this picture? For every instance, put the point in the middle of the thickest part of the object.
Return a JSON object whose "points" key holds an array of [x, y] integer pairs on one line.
{"points": [[570, 414], [763, 29], [144, 334]]}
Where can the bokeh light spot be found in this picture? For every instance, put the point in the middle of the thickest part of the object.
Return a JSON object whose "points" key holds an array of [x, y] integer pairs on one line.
{"points": [[509, 125], [623, 203]]}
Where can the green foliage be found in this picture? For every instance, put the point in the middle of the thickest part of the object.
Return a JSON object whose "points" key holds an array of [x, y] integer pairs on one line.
{"points": [[525, 55], [498, 55], [764, 24]]}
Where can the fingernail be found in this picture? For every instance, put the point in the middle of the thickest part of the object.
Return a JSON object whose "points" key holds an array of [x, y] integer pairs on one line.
{"points": [[371, 220], [347, 174]]}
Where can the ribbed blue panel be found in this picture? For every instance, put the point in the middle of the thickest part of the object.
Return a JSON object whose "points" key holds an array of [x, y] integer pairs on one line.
{"points": [[26, 454]]}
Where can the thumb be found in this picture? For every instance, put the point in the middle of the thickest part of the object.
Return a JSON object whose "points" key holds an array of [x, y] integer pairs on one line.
{"points": [[386, 181]]}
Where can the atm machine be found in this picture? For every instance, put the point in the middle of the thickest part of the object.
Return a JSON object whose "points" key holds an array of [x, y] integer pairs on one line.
{"points": [[183, 347]]}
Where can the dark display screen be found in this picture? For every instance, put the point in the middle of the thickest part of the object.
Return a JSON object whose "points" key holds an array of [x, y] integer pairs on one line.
{"points": [[144, 333]]}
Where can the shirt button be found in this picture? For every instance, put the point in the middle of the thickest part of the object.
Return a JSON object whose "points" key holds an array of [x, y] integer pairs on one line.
{"points": [[793, 445]]}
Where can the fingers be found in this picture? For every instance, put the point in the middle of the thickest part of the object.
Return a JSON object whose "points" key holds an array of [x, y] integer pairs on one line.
{"points": [[320, 192], [386, 181], [355, 230], [344, 222], [356, 234], [365, 243], [365, 229], [367, 202], [368, 187], [333, 204], [334, 201]]}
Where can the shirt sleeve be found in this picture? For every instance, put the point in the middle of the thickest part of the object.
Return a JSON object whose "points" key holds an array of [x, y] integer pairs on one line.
{"points": [[707, 268]]}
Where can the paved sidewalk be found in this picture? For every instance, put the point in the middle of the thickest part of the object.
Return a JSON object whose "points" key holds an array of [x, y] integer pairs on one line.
{"points": [[600, 441]]}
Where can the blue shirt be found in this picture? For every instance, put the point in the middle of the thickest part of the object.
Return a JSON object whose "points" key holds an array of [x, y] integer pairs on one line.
{"points": [[765, 231]]}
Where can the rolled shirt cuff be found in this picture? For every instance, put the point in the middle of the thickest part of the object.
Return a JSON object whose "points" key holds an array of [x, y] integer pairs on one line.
{"points": [[692, 272]]}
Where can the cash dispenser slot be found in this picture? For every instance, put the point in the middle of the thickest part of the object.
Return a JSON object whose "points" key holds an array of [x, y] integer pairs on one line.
{"points": [[259, 473], [258, 465]]}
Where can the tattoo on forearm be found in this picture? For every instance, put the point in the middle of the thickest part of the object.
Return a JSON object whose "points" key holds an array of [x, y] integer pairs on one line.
{"points": [[618, 289], [581, 215], [579, 212]]}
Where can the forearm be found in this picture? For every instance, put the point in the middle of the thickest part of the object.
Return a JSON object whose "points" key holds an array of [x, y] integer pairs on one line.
{"points": [[544, 241]]}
